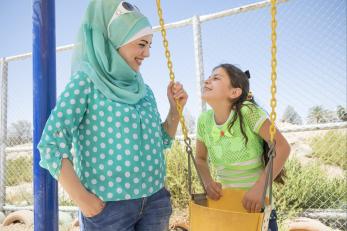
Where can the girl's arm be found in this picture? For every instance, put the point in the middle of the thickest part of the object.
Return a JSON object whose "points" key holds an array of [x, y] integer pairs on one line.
{"points": [[213, 188], [89, 204], [252, 199]]}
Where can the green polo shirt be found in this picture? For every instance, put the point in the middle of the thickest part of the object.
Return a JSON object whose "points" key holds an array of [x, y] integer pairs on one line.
{"points": [[116, 148]]}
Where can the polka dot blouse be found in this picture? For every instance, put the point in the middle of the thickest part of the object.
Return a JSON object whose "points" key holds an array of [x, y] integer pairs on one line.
{"points": [[116, 148]]}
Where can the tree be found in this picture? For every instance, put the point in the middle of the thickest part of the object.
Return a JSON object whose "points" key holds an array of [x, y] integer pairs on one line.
{"points": [[317, 114], [291, 116], [20, 132], [341, 113]]}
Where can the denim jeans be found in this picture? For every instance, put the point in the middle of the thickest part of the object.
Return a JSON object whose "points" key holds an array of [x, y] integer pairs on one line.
{"points": [[273, 221], [145, 214]]}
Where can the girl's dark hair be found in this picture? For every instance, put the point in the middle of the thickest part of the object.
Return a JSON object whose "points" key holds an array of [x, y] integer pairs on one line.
{"points": [[240, 79]]}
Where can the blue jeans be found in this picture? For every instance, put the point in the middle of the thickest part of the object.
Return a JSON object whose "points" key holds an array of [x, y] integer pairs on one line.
{"points": [[273, 221], [145, 214]]}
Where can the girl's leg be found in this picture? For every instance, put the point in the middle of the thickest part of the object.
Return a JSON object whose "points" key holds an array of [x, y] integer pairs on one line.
{"points": [[156, 212], [273, 221]]}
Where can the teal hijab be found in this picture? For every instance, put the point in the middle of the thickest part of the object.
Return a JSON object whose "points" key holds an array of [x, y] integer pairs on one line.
{"points": [[96, 51]]}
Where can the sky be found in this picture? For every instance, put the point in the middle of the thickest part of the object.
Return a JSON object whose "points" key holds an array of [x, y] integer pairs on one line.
{"points": [[311, 42]]}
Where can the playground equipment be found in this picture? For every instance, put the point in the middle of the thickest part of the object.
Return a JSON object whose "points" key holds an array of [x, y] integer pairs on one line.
{"points": [[228, 212]]}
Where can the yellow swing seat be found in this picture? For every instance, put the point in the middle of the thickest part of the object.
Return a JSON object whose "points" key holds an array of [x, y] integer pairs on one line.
{"points": [[226, 214]]}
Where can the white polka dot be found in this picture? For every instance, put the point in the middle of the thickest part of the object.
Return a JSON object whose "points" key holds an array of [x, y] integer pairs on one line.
{"points": [[118, 113], [110, 162], [82, 101], [109, 195], [55, 165], [93, 181], [72, 101], [145, 136], [109, 108], [135, 136], [110, 151], [110, 184], [102, 177], [62, 145], [119, 146], [136, 169], [101, 113], [136, 180], [126, 130], [127, 174], [127, 163], [86, 174], [60, 114], [136, 191], [127, 141], [127, 185], [118, 179], [127, 197], [126, 119], [101, 166], [110, 130], [102, 156], [119, 168], [119, 190]]}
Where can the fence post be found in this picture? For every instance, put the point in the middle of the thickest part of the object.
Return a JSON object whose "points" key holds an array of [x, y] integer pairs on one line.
{"points": [[199, 64], [3, 129]]}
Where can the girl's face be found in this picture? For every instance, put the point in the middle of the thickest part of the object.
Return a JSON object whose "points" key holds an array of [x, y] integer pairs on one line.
{"points": [[136, 51], [218, 87]]}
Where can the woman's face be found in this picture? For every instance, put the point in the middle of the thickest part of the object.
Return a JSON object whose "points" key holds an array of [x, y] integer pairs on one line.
{"points": [[136, 51]]}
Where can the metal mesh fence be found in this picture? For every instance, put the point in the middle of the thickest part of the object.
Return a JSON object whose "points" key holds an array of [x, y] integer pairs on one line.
{"points": [[311, 90]]}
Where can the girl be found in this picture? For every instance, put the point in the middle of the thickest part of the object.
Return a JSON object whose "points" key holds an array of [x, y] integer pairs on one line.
{"points": [[232, 136]]}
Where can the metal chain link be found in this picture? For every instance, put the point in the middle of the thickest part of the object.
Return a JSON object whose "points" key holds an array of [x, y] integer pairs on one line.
{"points": [[273, 101], [187, 139]]}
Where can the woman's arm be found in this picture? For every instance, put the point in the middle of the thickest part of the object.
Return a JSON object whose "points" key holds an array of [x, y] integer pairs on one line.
{"points": [[213, 188], [89, 204]]}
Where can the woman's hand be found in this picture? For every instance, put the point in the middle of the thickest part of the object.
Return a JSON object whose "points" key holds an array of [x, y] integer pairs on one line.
{"points": [[252, 199], [90, 205], [176, 91], [214, 190]]}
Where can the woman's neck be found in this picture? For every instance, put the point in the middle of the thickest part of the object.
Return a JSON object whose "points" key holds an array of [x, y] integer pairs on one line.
{"points": [[221, 113]]}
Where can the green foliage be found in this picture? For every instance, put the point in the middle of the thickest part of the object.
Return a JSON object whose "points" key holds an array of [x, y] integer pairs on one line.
{"points": [[19, 171], [308, 187], [331, 148], [177, 176]]}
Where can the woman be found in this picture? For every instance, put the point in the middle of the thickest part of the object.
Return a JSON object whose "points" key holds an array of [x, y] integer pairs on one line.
{"points": [[109, 117]]}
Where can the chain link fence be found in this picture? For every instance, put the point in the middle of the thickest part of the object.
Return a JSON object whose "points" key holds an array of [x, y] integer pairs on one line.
{"points": [[311, 65]]}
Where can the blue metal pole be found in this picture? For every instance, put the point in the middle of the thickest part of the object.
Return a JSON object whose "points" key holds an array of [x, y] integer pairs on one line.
{"points": [[44, 84]]}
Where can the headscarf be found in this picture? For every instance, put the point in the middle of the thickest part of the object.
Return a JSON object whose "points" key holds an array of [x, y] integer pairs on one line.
{"points": [[97, 55]]}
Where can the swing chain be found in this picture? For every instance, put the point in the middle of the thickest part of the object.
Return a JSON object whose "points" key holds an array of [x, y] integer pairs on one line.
{"points": [[187, 139], [273, 101]]}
